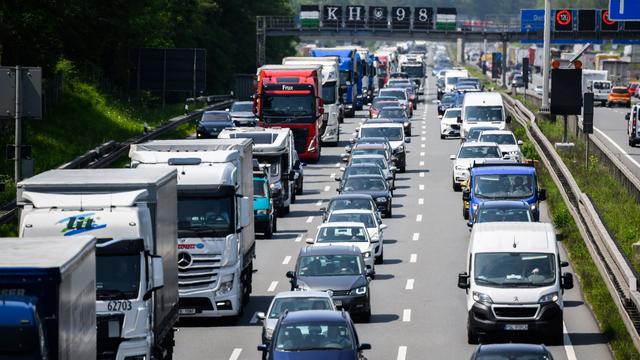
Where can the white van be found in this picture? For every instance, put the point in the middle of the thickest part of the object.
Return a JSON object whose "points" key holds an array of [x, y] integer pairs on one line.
{"points": [[514, 282], [483, 109], [451, 78]]}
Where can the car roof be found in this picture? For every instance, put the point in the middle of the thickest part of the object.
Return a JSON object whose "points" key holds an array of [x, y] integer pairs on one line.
{"points": [[329, 250], [509, 348], [381, 125], [352, 211], [314, 315], [361, 176], [352, 196], [537, 237], [504, 204], [370, 146], [341, 223], [299, 294], [497, 132], [364, 156], [478, 143], [504, 169]]}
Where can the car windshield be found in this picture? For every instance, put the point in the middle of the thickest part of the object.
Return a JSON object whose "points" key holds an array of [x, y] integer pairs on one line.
{"points": [[272, 161], [117, 276], [479, 152], [288, 105], [259, 188], [504, 186], [245, 107], [483, 113], [352, 234], [452, 114], [413, 71], [330, 265], [214, 215], [391, 113], [344, 204], [500, 139], [399, 83], [391, 133], [369, 152], [514, 269], [366, 218], [397, 94], [365, 184], [314, 336], [503, 215], [362, 170], [367, 160], [290, 304], [448, 99], [215, 117], [512, 355]]}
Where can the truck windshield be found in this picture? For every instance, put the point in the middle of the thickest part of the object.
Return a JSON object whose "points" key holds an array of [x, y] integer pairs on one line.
{"points": [[286, 105], [117, 276], [503, 215], [483, 113], [272, 160], [514, 269], [205, 215], [504, 186], [345, 76], [329, 93], [259, 188]]}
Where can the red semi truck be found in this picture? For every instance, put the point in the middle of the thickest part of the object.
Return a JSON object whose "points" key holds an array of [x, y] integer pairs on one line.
{"points": [[290, 97]]}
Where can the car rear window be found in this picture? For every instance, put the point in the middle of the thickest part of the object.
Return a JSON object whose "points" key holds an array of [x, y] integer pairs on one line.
{"points": [[620, 91]]}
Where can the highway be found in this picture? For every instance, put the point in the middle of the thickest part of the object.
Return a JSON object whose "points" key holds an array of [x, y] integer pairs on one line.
{"points": [[418, 311]]}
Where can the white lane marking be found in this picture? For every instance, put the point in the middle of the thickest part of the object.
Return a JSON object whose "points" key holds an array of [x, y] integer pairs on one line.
{"points": [[416, 236], [421, 186], [309, 219], [406, 315], [272, 287], [419, 218], [332, 175], [299, 238], [568, 346], [423, 132], [235, 354], [422, 153], [421, 201], [421, 163], [413, 258], [286, 260], [319, 203], [327, 188], [423, 138], [421, 173], [618, 147], [402, 353], [254, 318], [423, 145], [409, 285], [424, 126]]}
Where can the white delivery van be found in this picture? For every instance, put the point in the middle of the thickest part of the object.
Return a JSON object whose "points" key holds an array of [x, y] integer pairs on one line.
{"points": [[451, 78], [484, 109], [514, 282]]}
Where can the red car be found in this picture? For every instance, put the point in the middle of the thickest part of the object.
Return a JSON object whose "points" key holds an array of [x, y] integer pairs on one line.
{"points": [[633, 89], [380, 102]]}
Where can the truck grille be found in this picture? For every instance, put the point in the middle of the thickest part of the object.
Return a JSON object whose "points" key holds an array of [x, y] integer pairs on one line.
{"points": [[109, 328], [201, 273], [515, 311], [340, 292], [300, 137]]}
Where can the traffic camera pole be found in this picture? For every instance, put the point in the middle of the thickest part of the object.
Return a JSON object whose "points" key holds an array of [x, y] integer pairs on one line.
{"points": [[547, 55]]}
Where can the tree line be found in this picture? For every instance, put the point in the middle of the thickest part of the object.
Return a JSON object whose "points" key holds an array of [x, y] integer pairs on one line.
{"points": [[98, 34]]}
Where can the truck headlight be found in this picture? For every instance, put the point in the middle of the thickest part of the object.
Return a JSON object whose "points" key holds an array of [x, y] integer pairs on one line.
{"points": [[482, 298], [359, 291], [549, 298], [381, 200], [226, 284]]}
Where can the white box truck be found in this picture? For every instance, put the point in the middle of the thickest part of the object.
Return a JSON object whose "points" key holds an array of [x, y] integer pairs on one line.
{"points": [[216, 238], [48, 298], [132, 214], [596, 81]]}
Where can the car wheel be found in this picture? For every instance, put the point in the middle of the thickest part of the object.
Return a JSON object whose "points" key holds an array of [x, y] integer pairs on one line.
{"points": [[380, 259], [389, 213], [403, 169], [608, 104], [293, 195], [442, 136], [465, 213], [472, 338], [366, 317], [456, 187]]}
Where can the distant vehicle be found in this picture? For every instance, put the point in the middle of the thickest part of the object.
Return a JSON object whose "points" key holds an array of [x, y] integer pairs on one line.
{"points": [[538, 89], [502, 211], [363, 169], [376, 186], [483, 109], [449, 125], [395, 133], [263, 208], [469, 81], [475, 132], [242, 113], [509, 146], [333, 331], [350, 201], [448, 100], [339, 233], [401, 95], [291, 301], [596, 81], [633, 88], [633, 130], [468, 154], [511, 351], [340, 269], [370, 149], [517, 82], [619, 95], [451, 78], [398, 115], [212, 123], [381, 101], [374, 226]]}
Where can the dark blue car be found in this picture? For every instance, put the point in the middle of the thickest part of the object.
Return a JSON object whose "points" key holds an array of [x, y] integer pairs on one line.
{"points": [[212, 123], [315, 335], [511, 351]]}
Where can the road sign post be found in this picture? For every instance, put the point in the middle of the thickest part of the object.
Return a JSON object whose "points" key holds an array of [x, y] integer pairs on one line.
{"points": [[624, 10]]}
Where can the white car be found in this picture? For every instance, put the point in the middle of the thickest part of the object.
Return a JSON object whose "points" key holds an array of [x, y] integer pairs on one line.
{"points": [[509, 146], [346, 234], [394, 132], [449, 125], [292, 301], [374, 226], [538, 89], [468, 154]]}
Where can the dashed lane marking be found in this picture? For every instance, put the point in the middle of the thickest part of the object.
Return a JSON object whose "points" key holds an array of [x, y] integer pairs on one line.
{"points": [[421, 186], [327, 188], [402, 353], [286, 260], [406, 315], [413, 258], [235, 354], [309, 219], [319, 203], [416, 237], [421, 201], [419, 218], [272, 287], [421, 173], [299, 238], [409, 285]]}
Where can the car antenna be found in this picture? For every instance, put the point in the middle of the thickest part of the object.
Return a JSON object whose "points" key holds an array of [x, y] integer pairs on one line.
{"points": [[515, 244]]}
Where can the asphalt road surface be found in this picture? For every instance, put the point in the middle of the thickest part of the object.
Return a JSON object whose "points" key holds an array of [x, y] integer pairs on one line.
{"points": [[418, 311]]}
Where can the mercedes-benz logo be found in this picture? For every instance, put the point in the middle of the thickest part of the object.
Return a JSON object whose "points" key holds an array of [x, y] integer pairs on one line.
{"points": [[184, 260], [515, 299]]}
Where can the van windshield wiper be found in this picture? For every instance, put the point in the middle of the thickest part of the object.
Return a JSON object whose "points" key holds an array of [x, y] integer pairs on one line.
{"points": [[113, 294], [203, 231]]}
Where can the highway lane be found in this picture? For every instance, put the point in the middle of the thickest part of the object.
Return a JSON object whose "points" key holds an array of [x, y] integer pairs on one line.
{"points": [[418, 312]]}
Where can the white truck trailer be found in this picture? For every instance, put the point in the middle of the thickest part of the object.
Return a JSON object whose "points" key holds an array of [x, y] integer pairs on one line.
{"points": [[596, 81]]}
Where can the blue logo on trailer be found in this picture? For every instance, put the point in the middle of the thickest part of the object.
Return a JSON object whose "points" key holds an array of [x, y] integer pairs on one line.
{"points": [[624, 10], [531, 20]]}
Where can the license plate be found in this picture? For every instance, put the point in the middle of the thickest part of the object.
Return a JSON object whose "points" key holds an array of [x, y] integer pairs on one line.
{"points": [[337, 302], [187, 311], [516, 327]]}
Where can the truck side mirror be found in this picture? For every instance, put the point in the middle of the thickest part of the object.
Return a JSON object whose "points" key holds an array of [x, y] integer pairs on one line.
{"points": [[508, 119], [542, 194], [463, 280], [459, 120], [466, 195], [245, 212], [627, 117], [567, 281], [157, 280]]}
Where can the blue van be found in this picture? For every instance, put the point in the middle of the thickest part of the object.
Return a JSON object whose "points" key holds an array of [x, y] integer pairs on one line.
{"points": [[502, 181]]}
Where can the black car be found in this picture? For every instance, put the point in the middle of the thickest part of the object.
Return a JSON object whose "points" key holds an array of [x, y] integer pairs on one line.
{"points": [[502, 211], [212, 123], [349, 201], [361, 169], [314, 335], [339, 270], [373, 185], [449, 100], [511, 351]]}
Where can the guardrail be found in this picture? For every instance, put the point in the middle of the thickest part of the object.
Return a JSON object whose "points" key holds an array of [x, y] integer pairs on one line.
{"points": [[619, 276], [108, 153]]}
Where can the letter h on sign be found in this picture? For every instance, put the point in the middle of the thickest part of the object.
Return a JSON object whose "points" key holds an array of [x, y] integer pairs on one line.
{"points": [[355, 16]]}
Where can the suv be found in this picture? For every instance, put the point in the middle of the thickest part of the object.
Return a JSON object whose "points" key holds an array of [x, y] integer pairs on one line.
{"points": [[619, 95], [315, 334], [212, 123], [341, 271], [502, 211], [395, 134]]}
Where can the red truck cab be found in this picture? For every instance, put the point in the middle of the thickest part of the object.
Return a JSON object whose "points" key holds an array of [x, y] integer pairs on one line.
{"points": [[384, 69], [290, 96]]}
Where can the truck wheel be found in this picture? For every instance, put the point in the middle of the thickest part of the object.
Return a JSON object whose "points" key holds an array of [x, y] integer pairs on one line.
{"points": [[455, 186], [631, 143]]}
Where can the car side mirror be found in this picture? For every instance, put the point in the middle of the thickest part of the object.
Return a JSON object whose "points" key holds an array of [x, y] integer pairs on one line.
{"points": [[310, 241], [440, 117], [463, 280], [383, 226], [364, 346], [520, 142], [342, 168], [352, 140], [542, 194], [261, 315], [347, 149], [564, 263], [323, 209], [459, 120], [337, 178], [567, 281], [263, 347], [407, 140], [627, 117], [452, 157], [291, 275], [466, 195], [371, 273], [470, 223], [393, 169], [508, 119]]}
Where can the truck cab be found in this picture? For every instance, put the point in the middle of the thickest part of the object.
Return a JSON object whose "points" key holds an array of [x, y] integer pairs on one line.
{"points": [[514, 282], [349, 77], [505, 180]]}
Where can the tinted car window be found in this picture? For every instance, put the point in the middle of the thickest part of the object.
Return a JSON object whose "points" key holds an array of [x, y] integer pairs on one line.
{"points": [[215, 117], [314, 336]]}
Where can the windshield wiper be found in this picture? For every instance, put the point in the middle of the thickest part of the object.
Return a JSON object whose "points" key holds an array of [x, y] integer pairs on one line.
{"points": [[113, 294], [318, 349], [490, 282], [204, 231]]}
